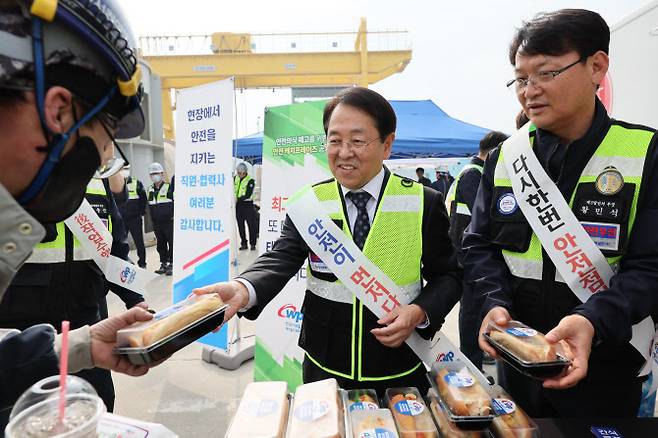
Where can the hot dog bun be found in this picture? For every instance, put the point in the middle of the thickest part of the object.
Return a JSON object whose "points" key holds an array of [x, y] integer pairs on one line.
{"points": [[471, 400], [176, 321], [533, 349]]}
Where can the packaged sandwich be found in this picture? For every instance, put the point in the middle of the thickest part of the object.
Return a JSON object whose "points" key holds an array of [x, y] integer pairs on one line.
{"points": [[362, 400], [262, 413], [376, 423], [510, 421], [463, 394], [410, 413], [527, 350], [316, 411], [171, 329], [447, 427]]}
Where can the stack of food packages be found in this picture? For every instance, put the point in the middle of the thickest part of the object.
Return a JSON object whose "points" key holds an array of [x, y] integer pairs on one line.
{"points": [[461, 401], [457, 405]]}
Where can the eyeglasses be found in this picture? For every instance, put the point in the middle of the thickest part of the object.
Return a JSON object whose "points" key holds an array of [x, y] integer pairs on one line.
{"points": [[539, 78], [355, 144], [114, 164]]}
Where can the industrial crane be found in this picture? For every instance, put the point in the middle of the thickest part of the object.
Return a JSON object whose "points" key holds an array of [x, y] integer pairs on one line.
{"points": [[336, 59]]}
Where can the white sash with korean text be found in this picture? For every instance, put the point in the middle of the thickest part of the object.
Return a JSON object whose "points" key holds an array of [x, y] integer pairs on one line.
{"points": [[96, 241], [578, 260], [356, 271]]}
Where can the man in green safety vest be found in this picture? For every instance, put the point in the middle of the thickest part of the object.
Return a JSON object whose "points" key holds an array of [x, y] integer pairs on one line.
{"points": [[562, 235], [400, 225], [244, 206], [459, 203], [133, 211], [161, 207]]}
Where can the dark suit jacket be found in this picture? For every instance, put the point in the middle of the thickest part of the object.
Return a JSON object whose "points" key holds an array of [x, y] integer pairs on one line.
{"points": [[272, 270]]}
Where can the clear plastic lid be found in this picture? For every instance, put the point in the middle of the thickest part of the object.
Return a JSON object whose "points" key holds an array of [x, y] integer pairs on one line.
{"points": [[362, 400], [463, 393], [447, 427], [526, 344], [262, 412], [377, 423], [510, 419], [410, 412], [169, 321], [317, 411], [36, 413]]}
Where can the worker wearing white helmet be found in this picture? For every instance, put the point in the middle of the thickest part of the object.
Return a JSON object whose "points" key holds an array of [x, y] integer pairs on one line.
{"points": [[244, 206], [161, 205]]}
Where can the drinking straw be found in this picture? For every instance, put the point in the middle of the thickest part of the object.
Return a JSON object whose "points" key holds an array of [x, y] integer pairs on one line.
{"points": [[63, 369]]}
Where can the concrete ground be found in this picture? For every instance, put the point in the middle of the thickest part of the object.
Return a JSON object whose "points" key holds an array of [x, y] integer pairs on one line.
{"points": [[186, 394]]}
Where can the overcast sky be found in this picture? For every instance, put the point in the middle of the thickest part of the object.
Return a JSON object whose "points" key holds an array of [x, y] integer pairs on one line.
{"points": [[459, 47]]}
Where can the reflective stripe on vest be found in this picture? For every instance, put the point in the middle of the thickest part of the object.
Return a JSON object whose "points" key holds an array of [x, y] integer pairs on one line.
{"points": [[240, 186], [132, 189], [161, 197], [462, 208], [623, 148], [55, 251], [398, 218]]}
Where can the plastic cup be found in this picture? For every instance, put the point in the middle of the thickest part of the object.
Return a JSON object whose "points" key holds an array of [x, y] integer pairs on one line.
{"points": [[41, 420]]}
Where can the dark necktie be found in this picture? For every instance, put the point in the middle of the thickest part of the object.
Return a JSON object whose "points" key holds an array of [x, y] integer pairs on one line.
{"points": [[362, 223]]}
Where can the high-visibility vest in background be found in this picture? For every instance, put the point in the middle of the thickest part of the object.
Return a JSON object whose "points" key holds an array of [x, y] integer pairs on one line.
{"points": [[459, 207], [132, 189], [55, 250], [241, 187]]}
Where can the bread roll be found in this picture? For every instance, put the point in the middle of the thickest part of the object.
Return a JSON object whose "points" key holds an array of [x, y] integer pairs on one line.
{"points": [[534, 349], [463, 394], [515, 424], [412, 425], [262, 413], [448, 429], [364, 423], [315, 412], [176, 321]]}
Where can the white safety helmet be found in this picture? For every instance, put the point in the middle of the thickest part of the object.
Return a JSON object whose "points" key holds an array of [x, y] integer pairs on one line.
{"points": [[155, 168]]}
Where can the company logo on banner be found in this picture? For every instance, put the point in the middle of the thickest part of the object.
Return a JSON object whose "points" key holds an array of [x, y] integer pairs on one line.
{"points": [[292, 316], [203, 218]]}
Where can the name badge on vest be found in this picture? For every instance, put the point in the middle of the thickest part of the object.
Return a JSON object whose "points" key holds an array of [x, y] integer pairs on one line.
{"points": [[317, 264]]}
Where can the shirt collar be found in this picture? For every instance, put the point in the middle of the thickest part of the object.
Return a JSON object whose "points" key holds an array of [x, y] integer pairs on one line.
{"points": [[373, 187]]}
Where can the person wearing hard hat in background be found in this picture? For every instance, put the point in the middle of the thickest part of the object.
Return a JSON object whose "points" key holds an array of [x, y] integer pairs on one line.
{"points": [[244, 206], [161, 206], [133, 211], [59, 114]]}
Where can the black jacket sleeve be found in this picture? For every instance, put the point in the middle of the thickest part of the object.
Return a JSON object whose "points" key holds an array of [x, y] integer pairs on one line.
{"points": [[439, 264], [25, 358], [484, 267], [249, 192], [272, 270], [632, 295], [120, 248], [170, 191], [142, 198], [468, 187]]}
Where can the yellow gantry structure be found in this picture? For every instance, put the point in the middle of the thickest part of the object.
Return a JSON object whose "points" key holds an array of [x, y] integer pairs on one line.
{"points": [[254, 64]]}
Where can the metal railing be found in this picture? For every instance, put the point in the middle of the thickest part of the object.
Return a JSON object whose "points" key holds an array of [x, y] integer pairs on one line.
{"points": [[388, 40]]}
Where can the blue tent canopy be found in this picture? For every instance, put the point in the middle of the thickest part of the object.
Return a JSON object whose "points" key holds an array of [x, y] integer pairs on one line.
{"points": [[423, 130]]}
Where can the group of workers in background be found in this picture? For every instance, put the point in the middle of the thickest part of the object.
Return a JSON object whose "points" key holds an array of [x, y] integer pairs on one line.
{"points": [[80, 99]]}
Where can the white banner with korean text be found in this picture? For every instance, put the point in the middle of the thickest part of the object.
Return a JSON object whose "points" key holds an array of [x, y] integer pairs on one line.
{"points": [[577, 258], [203, 199], [96, 241]]}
